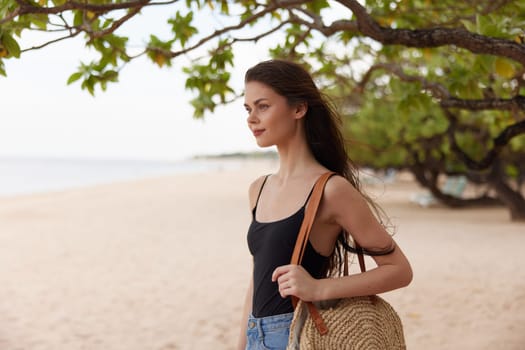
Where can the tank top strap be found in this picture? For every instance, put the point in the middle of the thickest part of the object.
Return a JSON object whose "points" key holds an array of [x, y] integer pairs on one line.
{"points": [[309, 195], [260, 191], [312, 191]]}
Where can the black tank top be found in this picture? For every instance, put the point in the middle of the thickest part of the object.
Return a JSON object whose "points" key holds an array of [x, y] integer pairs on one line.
{"points": [[271, 244]]}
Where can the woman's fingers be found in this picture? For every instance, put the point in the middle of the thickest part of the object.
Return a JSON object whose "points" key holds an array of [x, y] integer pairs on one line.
{"points": [[292, 280], [280, 271], [283, 275]]}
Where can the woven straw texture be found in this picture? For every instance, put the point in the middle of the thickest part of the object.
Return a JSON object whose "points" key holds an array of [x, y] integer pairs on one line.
{"points": [[359, 323]]}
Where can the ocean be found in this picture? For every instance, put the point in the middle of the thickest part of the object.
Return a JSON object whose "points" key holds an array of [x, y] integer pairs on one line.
{"points": [[20, 176]]}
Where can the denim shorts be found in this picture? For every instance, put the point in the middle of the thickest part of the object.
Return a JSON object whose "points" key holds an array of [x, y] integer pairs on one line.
{"points": [[268, 333]]}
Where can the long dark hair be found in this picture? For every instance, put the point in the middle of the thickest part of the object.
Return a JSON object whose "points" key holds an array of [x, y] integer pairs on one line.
{"points": [[323, 127]]}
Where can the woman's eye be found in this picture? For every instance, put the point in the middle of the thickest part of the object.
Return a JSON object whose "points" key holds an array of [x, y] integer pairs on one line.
{"points": [[263, 107]]}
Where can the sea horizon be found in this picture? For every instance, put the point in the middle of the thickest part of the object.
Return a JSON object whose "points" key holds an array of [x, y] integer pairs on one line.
{"points": [[25, 175]]}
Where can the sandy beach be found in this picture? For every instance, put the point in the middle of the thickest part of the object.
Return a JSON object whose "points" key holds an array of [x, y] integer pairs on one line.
{"points": [[162, 264]]}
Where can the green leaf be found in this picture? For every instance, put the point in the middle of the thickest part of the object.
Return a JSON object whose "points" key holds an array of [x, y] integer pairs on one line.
{"points": [[11, 45], [74, 77], [225, 9], [182, 28], [40, 20], [78, 18], [346, 36], [469, 25], [317, 5], [89, 85]]}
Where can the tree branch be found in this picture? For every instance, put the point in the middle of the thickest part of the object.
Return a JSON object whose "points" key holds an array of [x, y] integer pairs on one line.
{"points": [[116, 24], [437, 90], [440, 92], [499, 143], [335, 27], [262, 35], [511, 104], [27, 8], [275, 5], [10, 16], [434, 37], [72, 35]]}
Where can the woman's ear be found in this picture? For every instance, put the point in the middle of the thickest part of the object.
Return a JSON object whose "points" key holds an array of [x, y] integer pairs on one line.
{"points": [[301, 109]]}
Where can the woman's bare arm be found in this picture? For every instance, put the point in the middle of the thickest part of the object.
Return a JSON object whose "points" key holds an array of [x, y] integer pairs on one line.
{"points": [[349, 210], [344, 207], [246, 310]]}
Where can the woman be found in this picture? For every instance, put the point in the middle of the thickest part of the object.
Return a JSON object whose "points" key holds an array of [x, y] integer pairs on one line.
{"points": [[286, 109]]}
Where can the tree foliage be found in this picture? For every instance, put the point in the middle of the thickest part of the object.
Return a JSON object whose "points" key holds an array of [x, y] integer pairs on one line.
{"points": [[434, 87]]}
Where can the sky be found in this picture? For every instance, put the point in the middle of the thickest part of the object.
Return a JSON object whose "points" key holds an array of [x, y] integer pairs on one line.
{"points": [[145, 116]]}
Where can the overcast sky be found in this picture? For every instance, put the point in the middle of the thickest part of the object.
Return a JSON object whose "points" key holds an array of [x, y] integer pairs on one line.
{"points": [[146, 115]]}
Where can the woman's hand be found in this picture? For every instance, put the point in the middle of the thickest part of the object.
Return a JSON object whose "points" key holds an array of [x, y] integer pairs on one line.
{"points": [[295, 280]]}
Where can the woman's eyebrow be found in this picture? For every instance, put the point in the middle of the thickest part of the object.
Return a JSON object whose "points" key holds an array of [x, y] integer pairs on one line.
{"points": [[257, 101]]}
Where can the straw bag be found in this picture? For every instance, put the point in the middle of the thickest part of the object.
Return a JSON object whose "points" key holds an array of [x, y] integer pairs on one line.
{"points": [[357, 323]]}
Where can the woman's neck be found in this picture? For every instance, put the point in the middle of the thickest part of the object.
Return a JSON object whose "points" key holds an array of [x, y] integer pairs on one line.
{"points": [[296, 160]]}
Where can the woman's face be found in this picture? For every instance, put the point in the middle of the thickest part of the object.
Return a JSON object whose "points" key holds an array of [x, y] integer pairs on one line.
{"points": [[270, 118]]}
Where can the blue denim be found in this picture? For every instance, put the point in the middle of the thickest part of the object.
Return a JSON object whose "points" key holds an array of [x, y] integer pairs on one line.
{"points": [[268, 333]]}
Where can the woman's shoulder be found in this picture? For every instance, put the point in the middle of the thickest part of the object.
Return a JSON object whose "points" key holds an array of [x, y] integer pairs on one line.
{"points": [[256, 184], [338, 187], [255, 187]]}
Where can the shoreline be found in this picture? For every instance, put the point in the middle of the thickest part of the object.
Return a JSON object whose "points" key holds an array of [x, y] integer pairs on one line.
{"points": [[29, 176]]}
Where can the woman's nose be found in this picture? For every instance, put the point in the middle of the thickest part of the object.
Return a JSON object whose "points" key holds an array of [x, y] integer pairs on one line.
{"points": [[252, 118]]}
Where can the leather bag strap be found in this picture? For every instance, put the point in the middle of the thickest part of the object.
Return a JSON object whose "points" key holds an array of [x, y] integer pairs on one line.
{"points": [[360, 257], [309, 217], [302, 240]]}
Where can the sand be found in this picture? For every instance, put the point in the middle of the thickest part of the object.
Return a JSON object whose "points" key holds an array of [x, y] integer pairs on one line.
{"points": [[162, 264]]}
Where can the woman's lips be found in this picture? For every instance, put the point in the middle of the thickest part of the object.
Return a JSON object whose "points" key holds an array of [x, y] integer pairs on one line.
{"points": [[258, 132]]}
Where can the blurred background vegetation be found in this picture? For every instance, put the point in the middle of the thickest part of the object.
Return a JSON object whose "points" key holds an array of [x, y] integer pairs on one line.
{"points": [[435, 88]]}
